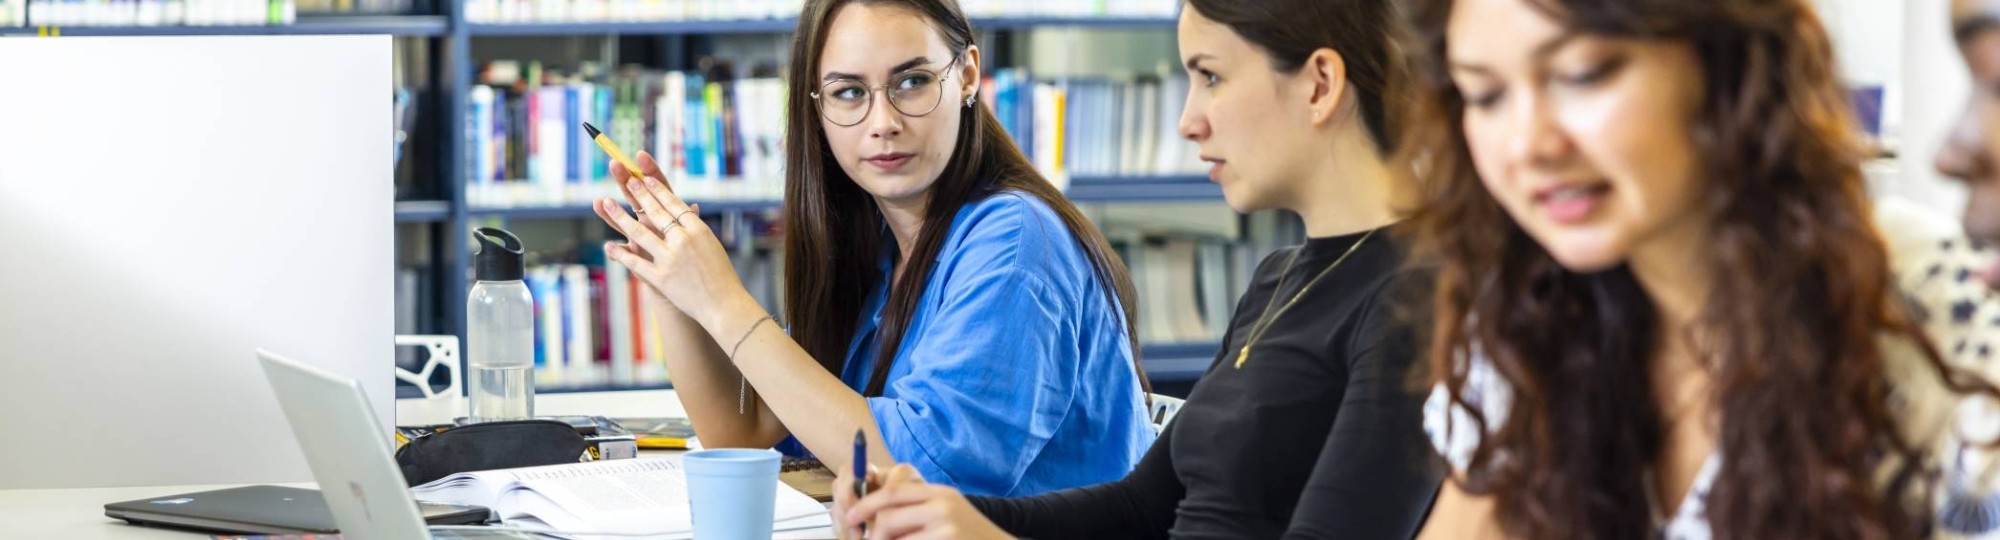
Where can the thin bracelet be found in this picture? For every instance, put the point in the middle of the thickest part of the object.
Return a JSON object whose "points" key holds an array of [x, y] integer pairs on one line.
{"points": [[742, 383]]}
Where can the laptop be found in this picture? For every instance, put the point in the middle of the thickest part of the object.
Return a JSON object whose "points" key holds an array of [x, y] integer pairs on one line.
{"points": [[338, 431], [349, 457], [261, 510]]}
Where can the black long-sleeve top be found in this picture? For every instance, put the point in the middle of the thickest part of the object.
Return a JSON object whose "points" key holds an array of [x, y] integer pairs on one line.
{"points": [[1318, 435]]}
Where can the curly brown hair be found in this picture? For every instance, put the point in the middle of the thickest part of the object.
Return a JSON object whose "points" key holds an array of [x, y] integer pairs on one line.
{"points": [[1804, 291]]}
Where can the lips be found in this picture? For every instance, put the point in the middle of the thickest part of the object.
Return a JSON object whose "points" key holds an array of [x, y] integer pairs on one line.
{"points": [[889, 161], [1214, 168], [1572, 203]]}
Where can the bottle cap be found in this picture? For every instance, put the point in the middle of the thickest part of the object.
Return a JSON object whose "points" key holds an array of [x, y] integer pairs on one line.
{"points": [[498, 256]]}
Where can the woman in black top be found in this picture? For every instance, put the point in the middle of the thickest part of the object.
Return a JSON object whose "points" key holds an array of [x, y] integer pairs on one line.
{"points": [[1305, 426]]}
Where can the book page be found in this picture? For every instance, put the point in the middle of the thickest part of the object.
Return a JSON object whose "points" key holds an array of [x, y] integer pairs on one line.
{"points": [[631, 495]]}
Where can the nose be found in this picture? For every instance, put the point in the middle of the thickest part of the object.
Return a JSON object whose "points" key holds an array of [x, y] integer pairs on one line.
{"points": [[884, 121], [1534, 137], [1965, 154], [1194, 121]]}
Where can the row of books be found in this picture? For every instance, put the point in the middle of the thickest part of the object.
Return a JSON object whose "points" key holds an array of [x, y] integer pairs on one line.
{"points": [[1125, 126], [593, 326], [356, 6], [721, 138], [1075, 8], [1189, 279], [148, 12], [543, 11], [716, 138]]}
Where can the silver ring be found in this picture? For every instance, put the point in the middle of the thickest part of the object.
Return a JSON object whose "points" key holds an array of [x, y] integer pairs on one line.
{"points": [[677, 217]]}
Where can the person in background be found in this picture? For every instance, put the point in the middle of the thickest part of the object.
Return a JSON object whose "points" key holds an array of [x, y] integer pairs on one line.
{"points": [[1971, 150], [940, 294], [1664, 307], [1305, 425]]}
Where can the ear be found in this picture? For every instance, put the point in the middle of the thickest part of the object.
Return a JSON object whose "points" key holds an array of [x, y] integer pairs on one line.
{"points": [[968, 82], [1326, 71]]}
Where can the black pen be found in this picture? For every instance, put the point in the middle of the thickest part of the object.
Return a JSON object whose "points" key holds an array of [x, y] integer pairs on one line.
{"points": [[861, 471]]}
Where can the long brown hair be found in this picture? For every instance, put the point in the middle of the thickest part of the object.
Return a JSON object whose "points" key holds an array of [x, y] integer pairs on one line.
{"points": [[1803, 292], [833, 242]]}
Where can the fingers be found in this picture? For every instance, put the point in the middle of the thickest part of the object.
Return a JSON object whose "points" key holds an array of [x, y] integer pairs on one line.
{"points": [[891, 495], [625, 255], [634, 231], [911, 519], [660, 204], [649, 166], [902, 473]]}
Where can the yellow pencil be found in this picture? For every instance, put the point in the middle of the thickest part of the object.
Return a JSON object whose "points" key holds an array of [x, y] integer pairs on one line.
{"points": [[612, 148]]}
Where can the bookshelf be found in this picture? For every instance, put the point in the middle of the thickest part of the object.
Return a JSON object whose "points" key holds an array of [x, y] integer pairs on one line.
{"points": [[442, 215], [323, 25]]}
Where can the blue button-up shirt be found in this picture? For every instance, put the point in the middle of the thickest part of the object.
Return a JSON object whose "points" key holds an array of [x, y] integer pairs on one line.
{"points": [[1015, 376]]}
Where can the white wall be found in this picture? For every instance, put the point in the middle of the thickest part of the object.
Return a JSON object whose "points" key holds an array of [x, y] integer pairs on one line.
{"points": [[167, 205]]}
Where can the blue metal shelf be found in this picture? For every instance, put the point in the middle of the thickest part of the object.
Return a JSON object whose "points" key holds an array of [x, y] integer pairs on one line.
{"points": [[602, 387], [586, 212], [400, 25], [765, 26], [779, 26], [1021, 23], [1177, 362], [1143, 188], [1180, 362], [422, 211]]}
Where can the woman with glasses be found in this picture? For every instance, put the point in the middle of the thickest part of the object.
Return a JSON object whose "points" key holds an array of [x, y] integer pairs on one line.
{"points": [[940, 295], [1306, 425]]}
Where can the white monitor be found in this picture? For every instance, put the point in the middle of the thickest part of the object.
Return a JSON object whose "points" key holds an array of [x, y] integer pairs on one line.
{"points": [[168, 205]]}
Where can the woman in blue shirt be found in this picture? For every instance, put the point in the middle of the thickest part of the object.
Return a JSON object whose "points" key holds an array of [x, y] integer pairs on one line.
{"points": [[940, 294]]}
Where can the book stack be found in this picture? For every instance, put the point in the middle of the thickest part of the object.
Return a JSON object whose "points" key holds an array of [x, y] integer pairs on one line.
{"points": [[546, 11], [13, 13], [356, 6], [550, 11], [1079, 8], [1191, 263], [1101, 127], [153, 12], [716, 138], [593, 325]]}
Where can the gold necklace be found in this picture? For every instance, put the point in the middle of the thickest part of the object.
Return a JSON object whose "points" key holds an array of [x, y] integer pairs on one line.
{"points": [[1264, 321]]}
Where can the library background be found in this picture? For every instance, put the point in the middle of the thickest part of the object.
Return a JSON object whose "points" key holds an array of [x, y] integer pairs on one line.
{"points": [[489, 94]]}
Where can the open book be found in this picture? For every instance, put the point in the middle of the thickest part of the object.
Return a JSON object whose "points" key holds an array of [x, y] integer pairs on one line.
{"points": [[628, 496]]}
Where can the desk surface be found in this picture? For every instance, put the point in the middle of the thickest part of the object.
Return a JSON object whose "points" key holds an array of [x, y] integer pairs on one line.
{"points": [[79, 513]]}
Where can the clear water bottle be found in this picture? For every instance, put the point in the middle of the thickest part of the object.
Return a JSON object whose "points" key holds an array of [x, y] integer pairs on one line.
{"points": [[500, 330]]}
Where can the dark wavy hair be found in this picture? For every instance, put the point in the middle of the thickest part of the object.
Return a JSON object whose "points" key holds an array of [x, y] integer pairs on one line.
{"points": [[834, 239], [1803, 292]]}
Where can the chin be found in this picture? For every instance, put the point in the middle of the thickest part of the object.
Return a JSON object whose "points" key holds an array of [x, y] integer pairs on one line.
{"points": [[1583, 251], [1244, 198], [893, 188]]}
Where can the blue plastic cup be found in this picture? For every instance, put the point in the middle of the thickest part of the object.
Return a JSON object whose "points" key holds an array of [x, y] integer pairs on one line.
{"points": [[732, 493]]}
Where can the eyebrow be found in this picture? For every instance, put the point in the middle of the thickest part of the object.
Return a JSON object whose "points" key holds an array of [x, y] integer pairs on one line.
{"points": [[1194, 62], [1970, 28], [1541, 51], [905, 66]]}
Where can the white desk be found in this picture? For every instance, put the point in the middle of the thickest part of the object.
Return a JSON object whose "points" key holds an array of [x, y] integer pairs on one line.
{"points": [[79, 513]]}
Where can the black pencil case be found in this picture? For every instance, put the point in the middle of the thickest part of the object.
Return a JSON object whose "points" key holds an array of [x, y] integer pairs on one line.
{"points": [[487, 446]]}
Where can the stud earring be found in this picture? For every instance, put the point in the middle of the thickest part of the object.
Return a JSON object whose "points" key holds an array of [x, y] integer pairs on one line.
{"points": [[968, 101]]}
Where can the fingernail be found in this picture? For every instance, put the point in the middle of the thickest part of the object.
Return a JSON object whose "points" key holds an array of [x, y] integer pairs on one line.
{"points": [[632, 184], [650, 182]]}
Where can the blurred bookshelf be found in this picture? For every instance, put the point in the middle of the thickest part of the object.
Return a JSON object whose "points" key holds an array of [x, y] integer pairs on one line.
{"points": [[464, 65]]}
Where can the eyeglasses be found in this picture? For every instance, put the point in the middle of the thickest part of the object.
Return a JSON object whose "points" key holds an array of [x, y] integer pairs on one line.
{"points": [[916, 92]]}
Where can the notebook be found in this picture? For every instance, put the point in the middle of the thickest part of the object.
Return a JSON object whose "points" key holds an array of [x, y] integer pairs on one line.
{"points": [[635, 496]]}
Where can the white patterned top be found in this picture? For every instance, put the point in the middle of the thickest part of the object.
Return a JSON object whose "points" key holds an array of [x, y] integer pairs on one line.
{"points": [[1935, 269]]}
